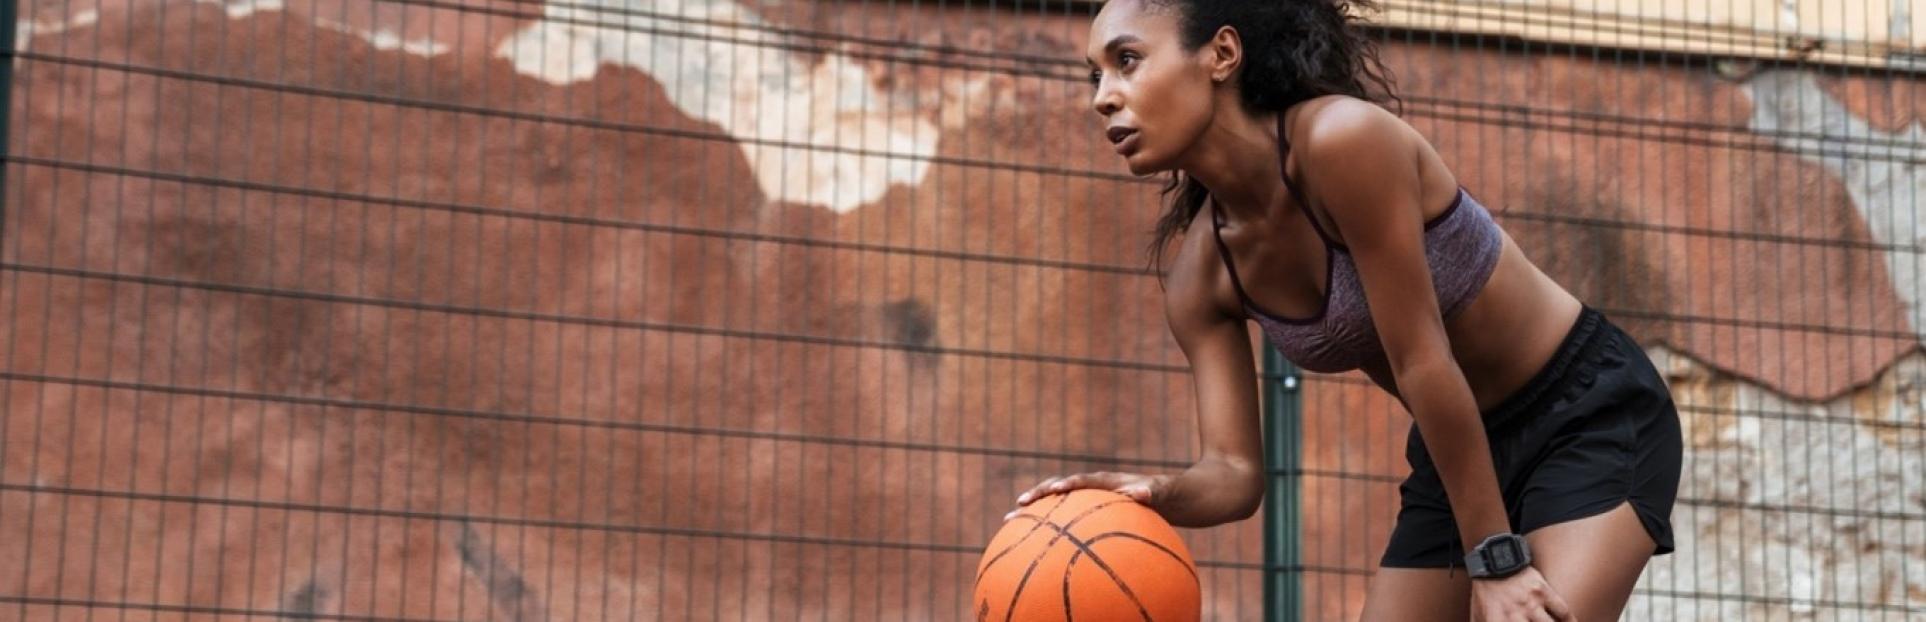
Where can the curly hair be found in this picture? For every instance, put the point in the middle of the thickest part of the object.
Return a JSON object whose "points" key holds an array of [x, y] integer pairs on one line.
{"points": [[1295, 50]]}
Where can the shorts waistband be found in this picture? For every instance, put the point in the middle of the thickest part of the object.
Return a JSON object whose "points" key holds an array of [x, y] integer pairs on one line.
{"points": [[1585, 334]]}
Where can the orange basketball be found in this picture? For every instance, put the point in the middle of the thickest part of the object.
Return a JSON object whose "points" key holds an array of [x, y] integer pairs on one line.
{"points": [[1090, 555]]}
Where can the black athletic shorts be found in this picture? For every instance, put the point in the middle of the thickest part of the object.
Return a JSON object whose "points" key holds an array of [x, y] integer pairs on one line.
{"points": [[1592, 429]]}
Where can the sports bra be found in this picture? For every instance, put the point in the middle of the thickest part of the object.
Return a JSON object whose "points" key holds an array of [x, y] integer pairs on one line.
{"points": [[1461, 246]]}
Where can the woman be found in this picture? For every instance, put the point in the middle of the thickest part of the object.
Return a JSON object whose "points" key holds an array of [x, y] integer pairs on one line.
{"points": [[1337, 228]]}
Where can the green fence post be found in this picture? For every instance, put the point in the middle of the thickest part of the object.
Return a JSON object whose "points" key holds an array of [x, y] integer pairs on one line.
{"points": [[1283, 406], [9, 24]]}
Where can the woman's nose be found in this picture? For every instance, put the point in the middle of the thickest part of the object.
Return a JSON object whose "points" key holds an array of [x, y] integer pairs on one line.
{"points": [[1106, 102]]}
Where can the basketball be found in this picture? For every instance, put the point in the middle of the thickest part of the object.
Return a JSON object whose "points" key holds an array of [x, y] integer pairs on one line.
{"points": [[1089, 554]]}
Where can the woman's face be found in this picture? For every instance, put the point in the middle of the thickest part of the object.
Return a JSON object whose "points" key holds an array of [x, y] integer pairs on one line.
{"points": [[1155, 97]]}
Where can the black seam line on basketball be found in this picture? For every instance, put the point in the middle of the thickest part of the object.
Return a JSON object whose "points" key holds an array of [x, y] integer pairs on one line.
{"points": [[1160, 547], [1082, 548], [1062, 531], [1032, 568], [1068, 616], [1114, 578], [1010, 608], [1026, 536]]}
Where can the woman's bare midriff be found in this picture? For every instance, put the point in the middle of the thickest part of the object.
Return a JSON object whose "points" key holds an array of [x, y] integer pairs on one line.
{"points": [[1509, 331]]}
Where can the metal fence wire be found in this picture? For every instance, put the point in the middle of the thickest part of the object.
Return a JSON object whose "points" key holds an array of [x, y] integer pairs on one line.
{"points": [[766, 309]]}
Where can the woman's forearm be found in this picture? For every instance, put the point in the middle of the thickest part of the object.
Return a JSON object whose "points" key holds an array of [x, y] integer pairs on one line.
{"points": [[1454, 434], [1213, 492]]}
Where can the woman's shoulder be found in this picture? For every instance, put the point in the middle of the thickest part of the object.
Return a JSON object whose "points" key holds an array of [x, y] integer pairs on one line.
{"points": [[1194, 283], [1338, 125]]}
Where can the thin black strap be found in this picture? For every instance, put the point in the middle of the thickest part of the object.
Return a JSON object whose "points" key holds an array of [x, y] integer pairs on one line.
{"points": [[1217, 225], [1283, 170], [1283, 162]]}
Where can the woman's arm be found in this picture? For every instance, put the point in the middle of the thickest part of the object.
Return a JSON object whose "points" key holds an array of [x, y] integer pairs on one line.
{"points": [[1361, 164], [1227, 482]]}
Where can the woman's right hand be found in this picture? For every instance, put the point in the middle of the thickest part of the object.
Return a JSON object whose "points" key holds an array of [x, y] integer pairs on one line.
{"points": [[1145, 489], [1523, 597]]}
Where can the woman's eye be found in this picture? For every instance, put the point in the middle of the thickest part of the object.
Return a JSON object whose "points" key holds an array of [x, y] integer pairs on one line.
{"points": [[1096, 75]]}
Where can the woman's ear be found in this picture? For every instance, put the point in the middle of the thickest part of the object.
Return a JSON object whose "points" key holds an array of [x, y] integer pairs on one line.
{"points": [[1223, 53]]}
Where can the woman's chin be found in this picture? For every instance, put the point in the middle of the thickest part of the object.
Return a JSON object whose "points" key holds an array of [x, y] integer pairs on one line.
{"points": [[1140, 165]]}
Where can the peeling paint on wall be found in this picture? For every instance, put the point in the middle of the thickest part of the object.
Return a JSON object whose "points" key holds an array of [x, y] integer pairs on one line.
{"points": [[30, 26], [729, 75], [380, 37], [1879, 168], [1796, 507], [1794, 504]]}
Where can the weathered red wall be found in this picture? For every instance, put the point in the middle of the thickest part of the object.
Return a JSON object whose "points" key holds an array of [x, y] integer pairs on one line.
{"points": [[429, 360]]}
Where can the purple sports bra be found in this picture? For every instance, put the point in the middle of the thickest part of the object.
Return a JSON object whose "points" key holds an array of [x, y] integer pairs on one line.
{"points": [[1461, 246]]}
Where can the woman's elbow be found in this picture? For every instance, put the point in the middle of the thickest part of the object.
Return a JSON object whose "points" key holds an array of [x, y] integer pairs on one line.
{"points": [[1413, 373], [1248, 510], [1249, 496]]}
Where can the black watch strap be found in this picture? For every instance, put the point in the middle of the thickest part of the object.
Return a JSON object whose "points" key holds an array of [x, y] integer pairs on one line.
{"points": [[1498, 556]]}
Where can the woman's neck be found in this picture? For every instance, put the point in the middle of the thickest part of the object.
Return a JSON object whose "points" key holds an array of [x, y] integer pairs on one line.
{"points": [[1238, 161]]}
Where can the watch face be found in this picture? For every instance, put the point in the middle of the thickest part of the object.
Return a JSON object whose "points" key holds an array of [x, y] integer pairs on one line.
{"points": [[1505, 555]]}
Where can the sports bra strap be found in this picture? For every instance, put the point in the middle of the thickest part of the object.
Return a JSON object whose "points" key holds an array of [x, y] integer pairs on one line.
{"points": [[1217, 226], [1283, 170]]}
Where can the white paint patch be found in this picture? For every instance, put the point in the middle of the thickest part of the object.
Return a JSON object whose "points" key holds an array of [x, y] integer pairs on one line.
{"points": [[1876, 166], [830, 137], [1809, 514], [24, 31], [381, 38], [840, 145], [386, 39], [1900, 24], [237, 9]]}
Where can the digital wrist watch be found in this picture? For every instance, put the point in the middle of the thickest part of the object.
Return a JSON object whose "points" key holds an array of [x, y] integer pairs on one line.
{"points": [[1499, 556]]}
